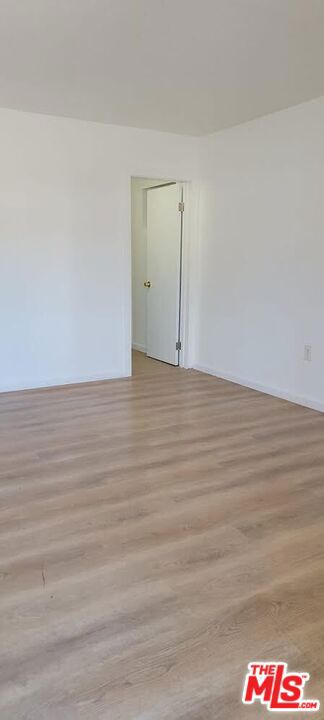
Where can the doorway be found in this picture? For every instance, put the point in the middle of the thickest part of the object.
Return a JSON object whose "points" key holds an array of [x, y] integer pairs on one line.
{"points": [[157, 273]]}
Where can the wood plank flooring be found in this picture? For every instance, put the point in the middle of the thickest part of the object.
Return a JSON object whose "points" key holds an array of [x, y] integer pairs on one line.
{"points": [[157, 534], [143, 365]]}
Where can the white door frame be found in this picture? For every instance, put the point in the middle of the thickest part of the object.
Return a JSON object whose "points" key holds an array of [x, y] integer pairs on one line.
{"points": [[185, 266]]}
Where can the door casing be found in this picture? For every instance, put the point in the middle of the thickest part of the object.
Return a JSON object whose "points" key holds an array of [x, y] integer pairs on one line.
{"points": [[189, 230]]}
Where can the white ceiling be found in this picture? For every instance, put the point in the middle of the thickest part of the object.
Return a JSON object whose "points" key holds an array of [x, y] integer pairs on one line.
{"points": [[189, 66]]}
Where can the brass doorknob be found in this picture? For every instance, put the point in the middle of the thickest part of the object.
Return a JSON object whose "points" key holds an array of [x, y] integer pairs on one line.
{"points": [[147, 284]]}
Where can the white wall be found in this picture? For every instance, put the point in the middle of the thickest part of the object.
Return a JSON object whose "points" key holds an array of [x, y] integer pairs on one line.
{"points": [[261, 289], [139, 253], [65, 250]]}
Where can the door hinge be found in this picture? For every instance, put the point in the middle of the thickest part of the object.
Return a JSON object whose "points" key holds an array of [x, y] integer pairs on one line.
{"points": [[178, 345], [181, 206]]}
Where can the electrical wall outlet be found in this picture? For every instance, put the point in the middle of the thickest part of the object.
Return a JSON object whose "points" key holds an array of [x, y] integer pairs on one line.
{"points": [[307, 353]]}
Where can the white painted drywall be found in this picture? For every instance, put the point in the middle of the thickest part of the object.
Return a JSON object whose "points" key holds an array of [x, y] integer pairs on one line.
{"points": [[256, 287], [65, 243], [261, 289], [139, 293]]}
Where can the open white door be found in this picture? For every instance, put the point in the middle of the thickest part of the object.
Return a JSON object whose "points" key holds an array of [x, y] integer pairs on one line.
{"points": [[164, 226]]}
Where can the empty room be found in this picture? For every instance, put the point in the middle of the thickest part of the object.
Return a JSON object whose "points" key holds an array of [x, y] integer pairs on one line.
{"points": [[161, 359]]}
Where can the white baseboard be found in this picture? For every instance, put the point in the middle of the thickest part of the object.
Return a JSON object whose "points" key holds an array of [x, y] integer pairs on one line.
{"points": [[60, 382], [140, 348], [275, 392]]}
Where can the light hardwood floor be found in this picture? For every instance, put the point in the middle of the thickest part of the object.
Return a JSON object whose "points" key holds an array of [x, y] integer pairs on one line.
{"points": [[157, 534], [147, 366]]}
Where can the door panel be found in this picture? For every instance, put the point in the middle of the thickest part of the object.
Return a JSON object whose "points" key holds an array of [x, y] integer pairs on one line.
{"points": [[163, 272]]}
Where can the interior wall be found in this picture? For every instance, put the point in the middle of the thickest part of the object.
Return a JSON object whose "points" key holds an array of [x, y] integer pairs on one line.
{"points": [[65, 234], [139, 275], [256, 287], [261, 257]]}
